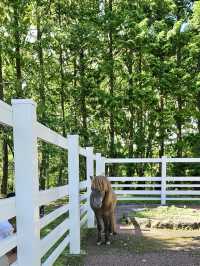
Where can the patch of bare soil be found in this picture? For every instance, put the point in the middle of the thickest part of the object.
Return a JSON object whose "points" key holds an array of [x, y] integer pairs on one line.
{"points": [[156, 247]]}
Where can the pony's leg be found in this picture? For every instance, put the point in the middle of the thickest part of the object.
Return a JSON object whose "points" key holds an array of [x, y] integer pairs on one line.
{"points": [[113, 223], [99, 228], [106, 221]]}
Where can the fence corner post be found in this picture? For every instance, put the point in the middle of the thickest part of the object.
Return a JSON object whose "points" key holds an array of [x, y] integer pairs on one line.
{"points": [[74, 195], [100, 164], [26, 182], [163, 180], [90, 172]]}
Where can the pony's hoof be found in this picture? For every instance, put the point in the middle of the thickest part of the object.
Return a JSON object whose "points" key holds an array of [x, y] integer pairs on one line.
{"points": [[114, 233], [108, 243], [99, 243]]}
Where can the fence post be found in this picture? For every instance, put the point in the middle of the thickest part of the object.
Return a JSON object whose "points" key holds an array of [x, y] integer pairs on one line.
{"points": [[74, 199], [163, 180], [100, 164], [26, 182], [90, 172]]}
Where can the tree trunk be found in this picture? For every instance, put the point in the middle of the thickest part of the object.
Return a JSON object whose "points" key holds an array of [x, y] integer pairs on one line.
{"points": [[62, 102], [42, 105], [198, 95], [161, 127], [129, 65], [1, 76], [112, 152], [19, 92], [83, 97], [4, 184]]}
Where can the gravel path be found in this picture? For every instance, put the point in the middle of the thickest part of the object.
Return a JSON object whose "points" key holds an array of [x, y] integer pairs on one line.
{"points": [[154, 259], [142, 248]]}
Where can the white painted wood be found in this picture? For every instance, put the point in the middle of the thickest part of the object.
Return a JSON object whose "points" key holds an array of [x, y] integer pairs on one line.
{"points": [[90, 172], [26, 182], [5, 114], [186, 199], [136, 179], [83, 196], [7, 208], [14, 264], [83, 185], [83, 220], [7, 244], [137, 198], [183, 185], [133, 160], [56, 253], [47, 219], [50, 136], [183, 178], [48, 241], [74, 201], [151, 160], [82, 151], [163, 181], [52, 194], [183, 192], [100, 164], [103, 165], [183, 160], [135, 185], [138, 192], [83, 209]]}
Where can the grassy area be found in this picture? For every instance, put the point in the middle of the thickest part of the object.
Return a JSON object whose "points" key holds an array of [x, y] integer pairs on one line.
{"points": [[169, 202], [65, 258], [169, 212]]}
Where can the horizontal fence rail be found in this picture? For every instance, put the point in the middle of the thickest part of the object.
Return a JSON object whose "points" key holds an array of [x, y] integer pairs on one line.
{"points": [[151, 160], [6, 114], [131, 189], [7, 207], [46, 134], [53, 194], [21, 116], [53, 236]]}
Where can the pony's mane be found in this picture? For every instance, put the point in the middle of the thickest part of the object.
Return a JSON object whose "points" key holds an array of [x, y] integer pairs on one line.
{"points": [[101, 183]]}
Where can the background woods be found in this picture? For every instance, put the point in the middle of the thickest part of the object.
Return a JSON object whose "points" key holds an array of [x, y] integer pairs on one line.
{"points": [[125, 75]]}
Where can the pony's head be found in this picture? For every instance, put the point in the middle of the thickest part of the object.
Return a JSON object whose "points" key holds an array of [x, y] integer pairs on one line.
{"points": [[99, 186]]}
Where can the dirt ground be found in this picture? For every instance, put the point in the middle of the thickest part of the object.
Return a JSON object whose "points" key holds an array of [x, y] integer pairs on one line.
{"points": [[142, 247]]}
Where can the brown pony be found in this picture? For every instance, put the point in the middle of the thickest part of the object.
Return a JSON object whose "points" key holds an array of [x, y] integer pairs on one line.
{"points": [[103, 202]]}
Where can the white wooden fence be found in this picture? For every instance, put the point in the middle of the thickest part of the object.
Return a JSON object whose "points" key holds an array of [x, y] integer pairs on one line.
{"points": [[25, 205], [164, 188], [21, 116]]}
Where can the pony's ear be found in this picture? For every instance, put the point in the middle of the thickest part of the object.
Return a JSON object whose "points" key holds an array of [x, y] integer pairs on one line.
{"points": [[91, 177]]}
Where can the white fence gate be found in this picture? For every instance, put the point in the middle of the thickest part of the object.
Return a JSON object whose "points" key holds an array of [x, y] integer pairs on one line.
{"points": [[21, 116]]}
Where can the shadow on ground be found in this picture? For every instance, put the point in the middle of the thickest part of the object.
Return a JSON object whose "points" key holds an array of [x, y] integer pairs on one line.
{"points": [[139, 247]]}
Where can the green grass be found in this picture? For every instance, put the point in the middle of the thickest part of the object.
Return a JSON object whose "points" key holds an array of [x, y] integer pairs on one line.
{"points": [[65, 258], [169, 202], [169, 212]]}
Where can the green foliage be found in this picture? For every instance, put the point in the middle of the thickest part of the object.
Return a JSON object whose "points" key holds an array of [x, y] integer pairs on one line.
{"points": [[128, 81]]}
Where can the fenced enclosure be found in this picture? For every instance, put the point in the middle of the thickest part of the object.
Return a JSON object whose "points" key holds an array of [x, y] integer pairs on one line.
{"points": [[31, 248], [164, 188]]}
